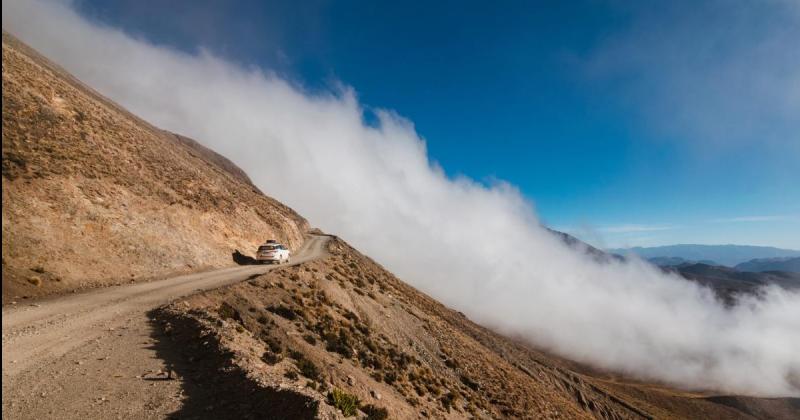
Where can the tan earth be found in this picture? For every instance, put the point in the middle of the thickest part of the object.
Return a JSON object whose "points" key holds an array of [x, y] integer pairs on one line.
{"points": [[95, 198], [93, 355]]}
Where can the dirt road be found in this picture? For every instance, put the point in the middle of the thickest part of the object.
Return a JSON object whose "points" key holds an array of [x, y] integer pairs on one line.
{"points": [[91, 355]]}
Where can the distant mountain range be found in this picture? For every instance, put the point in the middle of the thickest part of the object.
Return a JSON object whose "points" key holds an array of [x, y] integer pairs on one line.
{"points": [[675, 261], [727, 282], [771, 264], [757, 265], [727, 255]]}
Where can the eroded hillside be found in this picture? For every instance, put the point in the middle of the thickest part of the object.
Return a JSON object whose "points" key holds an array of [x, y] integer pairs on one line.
{"points": [[343, 324], [92, 195]]}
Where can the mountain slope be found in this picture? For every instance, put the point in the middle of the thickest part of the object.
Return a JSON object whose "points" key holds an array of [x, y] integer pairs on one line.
{"points": [[92, 195], [771, 264], [345, 323], [728, 255]]}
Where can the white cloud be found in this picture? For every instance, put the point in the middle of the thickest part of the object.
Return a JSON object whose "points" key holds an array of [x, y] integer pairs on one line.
{"points": [[478, 249], [633, 228], [751, 219], [719, 74]]}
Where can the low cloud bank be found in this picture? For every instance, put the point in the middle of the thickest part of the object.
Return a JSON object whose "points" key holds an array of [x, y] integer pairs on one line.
{"points": [[476, 248]]}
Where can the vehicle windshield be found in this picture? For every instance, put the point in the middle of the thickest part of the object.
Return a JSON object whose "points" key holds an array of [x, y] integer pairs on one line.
{"points": [[268, 248]]}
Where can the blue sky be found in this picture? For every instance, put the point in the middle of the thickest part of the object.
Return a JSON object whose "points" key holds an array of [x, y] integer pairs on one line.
{"points": [[626, 123]]}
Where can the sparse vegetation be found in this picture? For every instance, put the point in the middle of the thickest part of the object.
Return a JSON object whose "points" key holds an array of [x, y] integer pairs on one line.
{"points": [[390, 377], [375, 413], [284, 311], [273, 344], [448, 400], [226, 311], [271, 358], [347, 403], [308, 369], [469, 383], [339, 343]]}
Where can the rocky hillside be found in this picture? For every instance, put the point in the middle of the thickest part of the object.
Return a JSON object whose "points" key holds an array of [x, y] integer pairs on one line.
{"points": [[342, 336], [92, 195]]}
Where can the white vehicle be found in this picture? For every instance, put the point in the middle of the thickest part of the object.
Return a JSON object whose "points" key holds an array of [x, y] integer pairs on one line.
{"points": [[272, 252]]}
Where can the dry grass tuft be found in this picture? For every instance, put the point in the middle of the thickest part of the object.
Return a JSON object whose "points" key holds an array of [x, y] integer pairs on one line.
{"points": [[347, 403]]}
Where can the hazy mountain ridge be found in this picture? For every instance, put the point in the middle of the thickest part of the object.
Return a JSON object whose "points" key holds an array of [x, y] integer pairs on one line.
{"points": [[771, 264], [728, 255], [674, 261], [727, 282]]}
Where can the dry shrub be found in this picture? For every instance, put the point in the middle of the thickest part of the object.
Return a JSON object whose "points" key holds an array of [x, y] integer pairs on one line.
{"points": [[347, 403], [375, 413]]}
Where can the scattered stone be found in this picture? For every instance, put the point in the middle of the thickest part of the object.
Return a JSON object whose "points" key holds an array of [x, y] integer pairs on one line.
{"points": [[351, 380], [375, 394]]}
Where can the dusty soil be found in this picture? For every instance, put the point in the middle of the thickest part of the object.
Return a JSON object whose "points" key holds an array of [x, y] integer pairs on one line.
{"points": [[342, 322], [97, 355], [93, 196]]}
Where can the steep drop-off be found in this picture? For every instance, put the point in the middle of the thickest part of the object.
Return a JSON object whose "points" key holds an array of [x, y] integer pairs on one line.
{"points": [[344, 324]]}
